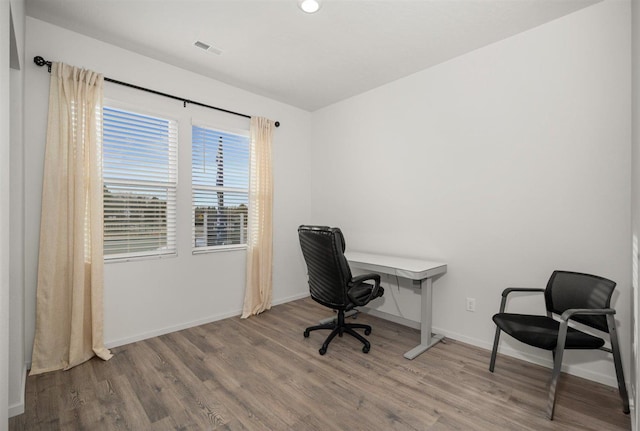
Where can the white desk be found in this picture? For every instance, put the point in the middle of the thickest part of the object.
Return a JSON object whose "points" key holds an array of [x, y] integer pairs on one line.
{"points": [[421, 272]]}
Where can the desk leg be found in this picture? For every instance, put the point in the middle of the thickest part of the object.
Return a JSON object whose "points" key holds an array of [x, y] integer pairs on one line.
{"points": [[427, 339]]}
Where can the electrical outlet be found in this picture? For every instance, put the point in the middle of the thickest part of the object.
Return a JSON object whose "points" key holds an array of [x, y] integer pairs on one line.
{"points": [[471, 304]]}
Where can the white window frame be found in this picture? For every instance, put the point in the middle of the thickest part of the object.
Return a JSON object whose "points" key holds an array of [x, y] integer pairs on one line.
{"points": [[170, 184], [195, 189]]}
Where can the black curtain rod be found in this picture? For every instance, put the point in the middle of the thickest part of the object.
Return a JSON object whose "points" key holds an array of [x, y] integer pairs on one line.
{"points": [[41, 62]]}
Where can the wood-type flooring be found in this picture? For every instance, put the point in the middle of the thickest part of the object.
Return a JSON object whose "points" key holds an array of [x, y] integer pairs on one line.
{"points": [[262, 374]]}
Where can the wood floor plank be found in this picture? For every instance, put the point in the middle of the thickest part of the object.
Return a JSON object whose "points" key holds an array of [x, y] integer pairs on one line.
{"points": [[188, 388], [47, 397], [262, 374], [137, 371], [130, 411]]}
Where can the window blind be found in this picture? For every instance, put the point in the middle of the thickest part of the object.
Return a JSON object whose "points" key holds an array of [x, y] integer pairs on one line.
{"points": [[220, 188], [140, 181]]}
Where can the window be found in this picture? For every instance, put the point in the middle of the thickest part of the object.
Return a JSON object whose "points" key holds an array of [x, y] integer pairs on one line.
{"points": [[220, 178], [140, 180]]}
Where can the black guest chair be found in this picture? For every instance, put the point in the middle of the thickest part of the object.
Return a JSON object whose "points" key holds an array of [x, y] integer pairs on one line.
{"points": [[573, 296], [331, 283]]}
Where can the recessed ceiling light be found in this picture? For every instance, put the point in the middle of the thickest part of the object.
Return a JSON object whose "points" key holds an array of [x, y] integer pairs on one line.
{"points": [[309, 6], [207, 47]]}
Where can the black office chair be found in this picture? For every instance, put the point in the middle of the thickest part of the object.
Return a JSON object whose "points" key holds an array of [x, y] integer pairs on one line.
{"points": [[573, 296], [331, 283]]}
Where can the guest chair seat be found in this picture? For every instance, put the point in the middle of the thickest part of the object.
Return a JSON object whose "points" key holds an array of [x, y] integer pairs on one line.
{"points": [[542, 332]]}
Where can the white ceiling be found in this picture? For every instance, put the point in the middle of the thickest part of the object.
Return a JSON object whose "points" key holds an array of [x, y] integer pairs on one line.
{"points": [[272, 48]]}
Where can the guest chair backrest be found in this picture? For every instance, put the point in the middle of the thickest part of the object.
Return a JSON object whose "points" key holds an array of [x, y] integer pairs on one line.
{"points": [[566, 290], [329, 274]]}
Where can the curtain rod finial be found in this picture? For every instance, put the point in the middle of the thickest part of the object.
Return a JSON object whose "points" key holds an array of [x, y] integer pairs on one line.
{"points": [[277, 124], [41, 62]]}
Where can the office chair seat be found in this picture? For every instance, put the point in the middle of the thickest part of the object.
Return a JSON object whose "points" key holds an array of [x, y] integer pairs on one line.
{"points": [[542, 332]]}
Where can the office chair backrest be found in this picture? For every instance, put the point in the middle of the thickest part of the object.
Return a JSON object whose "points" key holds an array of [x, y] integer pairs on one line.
{"points": [[323, 250], [566, 290]]}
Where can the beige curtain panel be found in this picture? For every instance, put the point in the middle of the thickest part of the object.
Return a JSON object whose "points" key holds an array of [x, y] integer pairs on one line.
{"points": [[69, 305], [258, 289]]}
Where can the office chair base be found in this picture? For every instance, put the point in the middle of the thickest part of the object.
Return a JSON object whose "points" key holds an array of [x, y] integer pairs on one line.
{"points": [[339, 327]]}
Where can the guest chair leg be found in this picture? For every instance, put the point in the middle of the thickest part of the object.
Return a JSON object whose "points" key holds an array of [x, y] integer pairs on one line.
{"points": [[494, 352], [496, 339], [559, 351], [615, 349]]}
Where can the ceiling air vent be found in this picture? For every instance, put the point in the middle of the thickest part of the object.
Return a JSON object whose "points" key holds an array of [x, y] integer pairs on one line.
{"points": [[207, 47]]}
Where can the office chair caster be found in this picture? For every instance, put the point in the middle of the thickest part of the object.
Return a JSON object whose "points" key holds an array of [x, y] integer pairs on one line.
{"points": [[365, 349], [367, 331], [306, 333], [322, 350]]}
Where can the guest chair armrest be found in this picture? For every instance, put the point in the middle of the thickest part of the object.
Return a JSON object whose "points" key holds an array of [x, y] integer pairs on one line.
{"points": [[508, 290], [568, 314]]}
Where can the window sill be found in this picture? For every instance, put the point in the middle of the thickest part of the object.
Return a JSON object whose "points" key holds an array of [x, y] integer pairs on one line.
{"points": [[218, 249], [139, 258]]}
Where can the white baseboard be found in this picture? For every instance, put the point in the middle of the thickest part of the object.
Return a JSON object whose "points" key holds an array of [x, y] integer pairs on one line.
{"points": [[18, 408], [390, 317], [575, 370], [167, 330], [291, 298]]}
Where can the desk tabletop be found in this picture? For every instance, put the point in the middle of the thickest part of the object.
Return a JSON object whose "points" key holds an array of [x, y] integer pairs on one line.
{"points": [[414, 269]]}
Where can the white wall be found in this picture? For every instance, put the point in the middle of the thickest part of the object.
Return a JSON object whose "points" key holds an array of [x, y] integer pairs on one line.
{"points": [[12, 374], [145, 298], [635, 207], [4, 212], [17, 366], [506, 163]]}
